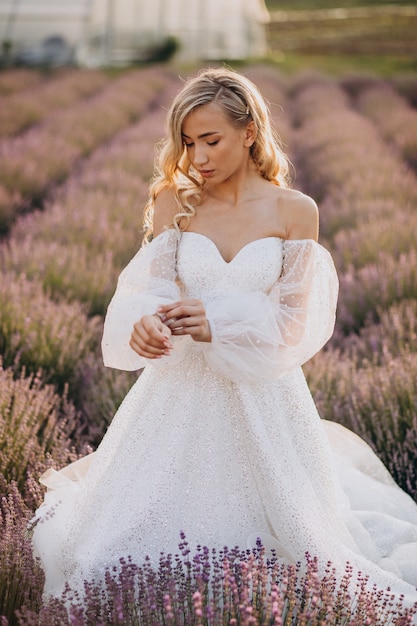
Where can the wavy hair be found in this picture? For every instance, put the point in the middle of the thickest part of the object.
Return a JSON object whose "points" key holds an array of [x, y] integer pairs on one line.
{"points": [[241, 102]]}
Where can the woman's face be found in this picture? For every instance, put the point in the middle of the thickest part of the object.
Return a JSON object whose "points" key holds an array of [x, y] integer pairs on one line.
{"points": [[216, 149]]}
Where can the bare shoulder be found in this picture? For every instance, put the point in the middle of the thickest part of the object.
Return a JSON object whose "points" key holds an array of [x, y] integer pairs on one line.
{"points": [[165, 208], [301, 215]]}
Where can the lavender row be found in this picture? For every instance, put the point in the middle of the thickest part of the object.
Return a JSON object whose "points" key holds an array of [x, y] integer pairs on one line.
{"points": [[35, 427], [20, 110], [347, 166], [394, 117], [366, 378], [15, 80], [91, 225], [43, 420], [46, 154], [210, 588], [358, 181], [375, 401]]}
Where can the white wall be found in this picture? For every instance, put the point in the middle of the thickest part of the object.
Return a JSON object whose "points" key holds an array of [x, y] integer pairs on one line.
{"points": [[33, 20], [207, 29]]}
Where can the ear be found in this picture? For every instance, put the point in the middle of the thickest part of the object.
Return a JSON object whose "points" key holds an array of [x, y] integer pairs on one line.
{"points": [[250, 134]]}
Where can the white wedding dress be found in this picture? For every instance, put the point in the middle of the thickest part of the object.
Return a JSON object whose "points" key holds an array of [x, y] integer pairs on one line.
{"points": [[222, 440]]}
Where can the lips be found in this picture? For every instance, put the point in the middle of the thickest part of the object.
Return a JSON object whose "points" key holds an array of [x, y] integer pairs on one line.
{"points": [[206, 173]]}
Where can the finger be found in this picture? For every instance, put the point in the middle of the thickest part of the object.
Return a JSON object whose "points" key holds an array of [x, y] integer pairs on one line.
{"points": [[145, 345], [195, 318], [179, 308], [181, 313], [188, 326], [147, 350], [150, 353], [181, 322], [143, 340], [154, 328], [165, 310], [150, 333], [199, 330]]}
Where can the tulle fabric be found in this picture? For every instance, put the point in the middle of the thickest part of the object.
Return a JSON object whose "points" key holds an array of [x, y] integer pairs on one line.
{"points": [[146, 282], [255, 335], [259, 336]]}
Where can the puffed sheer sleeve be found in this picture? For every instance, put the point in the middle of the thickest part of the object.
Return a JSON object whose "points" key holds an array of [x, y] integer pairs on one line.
{"points": [[146, 282], [263, 335]]}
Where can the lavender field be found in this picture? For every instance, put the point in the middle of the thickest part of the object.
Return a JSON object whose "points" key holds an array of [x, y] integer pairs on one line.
{"points": [[76, 153]]}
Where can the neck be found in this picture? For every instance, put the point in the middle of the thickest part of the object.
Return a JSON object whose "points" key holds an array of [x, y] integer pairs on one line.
{"points": [[236, 188]]}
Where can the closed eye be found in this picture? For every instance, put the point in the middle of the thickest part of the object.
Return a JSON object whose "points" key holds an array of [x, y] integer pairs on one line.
{"points": [[209, 143]]}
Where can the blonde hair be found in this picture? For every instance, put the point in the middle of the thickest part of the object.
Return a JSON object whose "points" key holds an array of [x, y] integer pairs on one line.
{"points": [[241, 102]]}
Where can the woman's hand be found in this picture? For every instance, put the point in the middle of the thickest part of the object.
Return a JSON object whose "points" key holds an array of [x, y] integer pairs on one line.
{"points": [[186, 317], [150, 337]]}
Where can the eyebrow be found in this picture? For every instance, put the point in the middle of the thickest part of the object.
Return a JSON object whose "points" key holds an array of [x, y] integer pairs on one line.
{"points": [[213, 132]]}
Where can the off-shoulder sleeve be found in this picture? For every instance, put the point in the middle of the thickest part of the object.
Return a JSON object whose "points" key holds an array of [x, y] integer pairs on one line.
{"points": [[146, 282], [261, 336]]}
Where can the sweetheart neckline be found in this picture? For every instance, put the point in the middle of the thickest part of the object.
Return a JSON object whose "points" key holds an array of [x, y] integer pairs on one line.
{"points": [[246, 245]]}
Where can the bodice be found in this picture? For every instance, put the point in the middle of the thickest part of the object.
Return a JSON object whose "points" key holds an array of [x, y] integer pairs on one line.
{"points": [[204, 274]]}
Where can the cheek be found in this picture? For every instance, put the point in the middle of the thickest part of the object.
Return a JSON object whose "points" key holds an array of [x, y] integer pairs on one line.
{"points": [[234, 153], [225, 152]]}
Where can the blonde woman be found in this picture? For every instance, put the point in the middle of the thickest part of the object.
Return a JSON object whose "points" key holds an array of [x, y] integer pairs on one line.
{"points": [[219, 437]]}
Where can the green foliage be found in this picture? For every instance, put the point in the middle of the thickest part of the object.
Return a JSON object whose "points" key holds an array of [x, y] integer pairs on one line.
{"points": [[164, 51], [349, 36], [274, 5], [339, 64]]}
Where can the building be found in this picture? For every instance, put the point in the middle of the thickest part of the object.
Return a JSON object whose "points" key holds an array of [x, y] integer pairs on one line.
{"points": [[121, 31]]}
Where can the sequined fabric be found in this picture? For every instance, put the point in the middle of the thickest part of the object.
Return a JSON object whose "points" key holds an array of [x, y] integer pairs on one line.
{"points": [[223, 440]]}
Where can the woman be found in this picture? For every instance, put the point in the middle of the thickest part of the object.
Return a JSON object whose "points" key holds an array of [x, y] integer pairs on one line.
{"points": [[220, 437]]}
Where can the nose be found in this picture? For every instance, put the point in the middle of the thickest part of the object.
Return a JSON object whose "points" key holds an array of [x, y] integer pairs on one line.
{"points": [[200, 156]]}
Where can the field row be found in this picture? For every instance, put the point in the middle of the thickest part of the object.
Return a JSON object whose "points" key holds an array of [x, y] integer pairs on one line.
{"points": [[45, 155], [19, 111], [368, 194], [378, 30]]}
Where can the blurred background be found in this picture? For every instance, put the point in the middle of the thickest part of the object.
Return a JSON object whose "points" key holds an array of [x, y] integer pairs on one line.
{"points": [[94, 33]]}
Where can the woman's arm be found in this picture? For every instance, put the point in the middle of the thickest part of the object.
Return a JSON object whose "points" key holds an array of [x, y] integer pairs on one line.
{"points": [[148, 281]]}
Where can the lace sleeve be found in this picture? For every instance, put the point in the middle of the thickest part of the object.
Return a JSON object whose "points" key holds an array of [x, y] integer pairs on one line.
{"points": [[147, 281], [261, 336]]}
